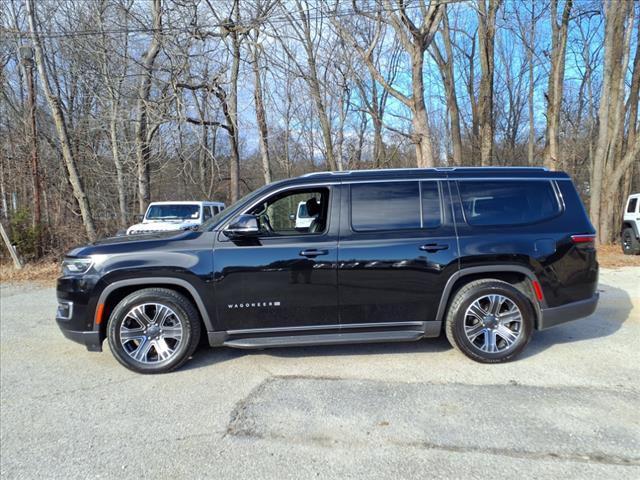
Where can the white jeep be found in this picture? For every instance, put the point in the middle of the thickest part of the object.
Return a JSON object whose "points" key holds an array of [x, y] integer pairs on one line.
{"points": [[630, 231], [167, 216]]}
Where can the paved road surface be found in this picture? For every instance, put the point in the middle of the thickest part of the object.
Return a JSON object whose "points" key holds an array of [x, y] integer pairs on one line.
{"points": [[568, 408]]}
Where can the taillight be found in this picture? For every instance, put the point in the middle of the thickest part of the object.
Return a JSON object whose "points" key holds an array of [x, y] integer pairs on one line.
{"points": [[583, 238]]}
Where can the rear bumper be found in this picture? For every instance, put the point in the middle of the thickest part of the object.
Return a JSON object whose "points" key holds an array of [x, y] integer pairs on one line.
{"points": [[550, 317]]}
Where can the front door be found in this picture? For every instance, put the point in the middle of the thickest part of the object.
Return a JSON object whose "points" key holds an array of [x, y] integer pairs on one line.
{"points": [[286, 277], [397, 249]]}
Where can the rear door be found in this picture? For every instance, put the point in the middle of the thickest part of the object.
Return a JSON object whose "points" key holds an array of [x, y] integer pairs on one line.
{"points": [[397, 249]]}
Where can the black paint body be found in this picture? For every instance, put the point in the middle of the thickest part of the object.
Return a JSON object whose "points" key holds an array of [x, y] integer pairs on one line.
{"points": [[371, 281]]}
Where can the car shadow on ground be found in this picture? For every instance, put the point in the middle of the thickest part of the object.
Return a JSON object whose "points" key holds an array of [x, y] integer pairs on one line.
{"points": [[613, 310]]}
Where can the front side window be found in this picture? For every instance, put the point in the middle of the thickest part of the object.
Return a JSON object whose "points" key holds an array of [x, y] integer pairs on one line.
{"points": [[294, 212], [632, 205], [507, 202], [173, 212]]}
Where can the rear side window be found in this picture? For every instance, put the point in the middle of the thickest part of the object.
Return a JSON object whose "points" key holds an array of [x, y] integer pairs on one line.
{"points": [[385, 206], [632, 205], [508, 202], [395, 206]]}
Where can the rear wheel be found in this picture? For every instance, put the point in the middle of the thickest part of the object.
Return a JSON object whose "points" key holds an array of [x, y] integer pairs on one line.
{"points": [[154, 330], [490, 321], [630, 244]]}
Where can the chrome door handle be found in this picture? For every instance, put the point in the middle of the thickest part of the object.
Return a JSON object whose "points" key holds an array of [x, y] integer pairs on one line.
{"points": [[313, 253], [434, 247]]}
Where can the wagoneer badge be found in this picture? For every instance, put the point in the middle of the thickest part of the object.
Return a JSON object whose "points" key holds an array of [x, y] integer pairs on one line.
{"points": [[253, 305]]}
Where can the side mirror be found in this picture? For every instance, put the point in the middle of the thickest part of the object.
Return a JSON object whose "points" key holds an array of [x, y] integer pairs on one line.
{"points": [[138, 218], [243, 226], [292, 217]]}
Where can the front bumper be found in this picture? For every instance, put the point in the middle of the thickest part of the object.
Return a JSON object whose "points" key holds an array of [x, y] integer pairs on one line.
{"points": [[550, 317], [89, 339], [76, 309]]}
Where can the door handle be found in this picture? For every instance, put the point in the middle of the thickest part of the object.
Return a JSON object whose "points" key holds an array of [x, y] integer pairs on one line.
{"points": [[313, 253], [434, 247]]}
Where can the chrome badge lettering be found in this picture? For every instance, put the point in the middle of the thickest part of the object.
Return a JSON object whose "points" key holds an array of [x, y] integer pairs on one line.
{"points": [[253, 305]]}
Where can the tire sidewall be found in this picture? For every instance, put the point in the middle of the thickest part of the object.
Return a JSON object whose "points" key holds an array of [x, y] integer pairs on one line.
{"points": [[512, 294], [118, 316]]}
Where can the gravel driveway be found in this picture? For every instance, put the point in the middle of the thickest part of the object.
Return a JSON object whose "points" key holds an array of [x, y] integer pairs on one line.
{"points": [[568, 408]]}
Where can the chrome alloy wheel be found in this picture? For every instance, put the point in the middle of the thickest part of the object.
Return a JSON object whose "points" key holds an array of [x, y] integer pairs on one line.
{"points": [[151, 333], [493, 323]]}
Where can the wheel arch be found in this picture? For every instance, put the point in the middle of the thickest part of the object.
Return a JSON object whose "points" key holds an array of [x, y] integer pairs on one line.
{"points": [[513, 274], [116, 291]]}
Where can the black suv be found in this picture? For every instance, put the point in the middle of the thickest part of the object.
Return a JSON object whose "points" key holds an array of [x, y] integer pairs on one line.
{"points": [[485, 255]]}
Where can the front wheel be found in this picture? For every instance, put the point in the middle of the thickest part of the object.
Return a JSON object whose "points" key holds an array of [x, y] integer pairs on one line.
{"points": [[154, 330], [490, 321]]}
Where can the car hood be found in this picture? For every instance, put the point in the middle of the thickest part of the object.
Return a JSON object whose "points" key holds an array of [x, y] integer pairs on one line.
{"points": [[128, 243]]}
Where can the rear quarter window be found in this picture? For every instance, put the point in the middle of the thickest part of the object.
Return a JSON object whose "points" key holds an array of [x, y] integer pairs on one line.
{"points": [[632, 205], [508, 202]]}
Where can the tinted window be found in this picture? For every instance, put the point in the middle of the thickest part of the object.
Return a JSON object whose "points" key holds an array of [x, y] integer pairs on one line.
{"points": [[632, 205], [207, 213], [385, 206], [430, 204], [507, 202]]}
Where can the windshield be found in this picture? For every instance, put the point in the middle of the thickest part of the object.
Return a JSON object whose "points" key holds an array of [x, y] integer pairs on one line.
{"points": [[173, 212]]}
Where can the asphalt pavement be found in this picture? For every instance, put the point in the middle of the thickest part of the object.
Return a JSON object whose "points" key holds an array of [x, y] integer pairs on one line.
{"points": [[569, 407]]}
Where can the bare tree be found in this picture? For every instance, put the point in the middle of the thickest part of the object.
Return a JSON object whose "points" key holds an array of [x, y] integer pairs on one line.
{"points": [[486, 36], [143, 133], [415, 39], [609, 162], [559, 32], [445, 64], [61, 126]]}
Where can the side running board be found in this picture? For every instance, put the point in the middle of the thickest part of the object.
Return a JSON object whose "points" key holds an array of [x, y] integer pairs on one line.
{"points": [[325, 339]]}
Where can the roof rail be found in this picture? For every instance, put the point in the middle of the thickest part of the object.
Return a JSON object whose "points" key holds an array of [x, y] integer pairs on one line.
{"points": [[437, 169]]}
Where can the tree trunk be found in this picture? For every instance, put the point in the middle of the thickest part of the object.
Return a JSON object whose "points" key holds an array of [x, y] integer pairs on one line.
{"points": [[234, 168], [606, 173], [261, 116], [448, 80], [486, 36], [122, 197], [420, 122], [61, 128], [532, 127], [143, 149], [552, 154]]}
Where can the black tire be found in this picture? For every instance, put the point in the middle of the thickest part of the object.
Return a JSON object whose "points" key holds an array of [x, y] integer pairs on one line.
{"points": [[630, 244], [181, 307], [456, 320]]}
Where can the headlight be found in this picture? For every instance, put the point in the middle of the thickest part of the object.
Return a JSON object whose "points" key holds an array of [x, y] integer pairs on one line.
{"points": [[76, 266]]}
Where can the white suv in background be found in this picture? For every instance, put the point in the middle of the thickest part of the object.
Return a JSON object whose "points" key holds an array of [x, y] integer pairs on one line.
{"points": [[167, 216], [630, 231]]}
